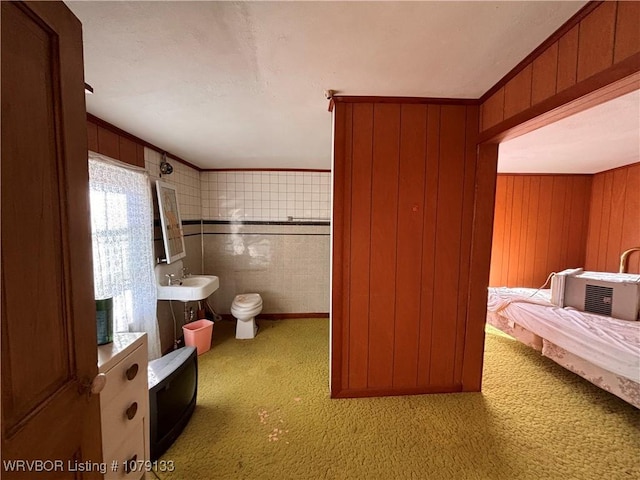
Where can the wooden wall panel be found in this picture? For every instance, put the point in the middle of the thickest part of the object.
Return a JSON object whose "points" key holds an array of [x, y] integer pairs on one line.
{"points": [[409, 240], [614, 220], [448, 247], [595, 48], [92, 137], [627, 30], [493, 110], [567, 59], [429, 246], [517, 93], [108, 143], [384, 223], [540, 226], [544, 75], [410, 170], [360, 234], [128, 151]]}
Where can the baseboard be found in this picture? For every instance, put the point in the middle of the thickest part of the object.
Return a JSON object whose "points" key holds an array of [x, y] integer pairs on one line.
{"points": [[280, 316]]}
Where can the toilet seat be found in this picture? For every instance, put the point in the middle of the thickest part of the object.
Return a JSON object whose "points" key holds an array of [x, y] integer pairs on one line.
{"points": [[247, 301]]}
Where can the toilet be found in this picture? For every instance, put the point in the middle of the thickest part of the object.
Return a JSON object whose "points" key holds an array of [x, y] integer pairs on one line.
{"points": [[244, 308]]}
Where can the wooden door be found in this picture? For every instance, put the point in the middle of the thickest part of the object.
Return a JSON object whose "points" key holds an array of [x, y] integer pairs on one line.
{"points": [[48, 313]]}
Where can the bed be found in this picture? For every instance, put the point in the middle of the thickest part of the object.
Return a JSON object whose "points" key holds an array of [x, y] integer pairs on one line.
{"points": [[603, 350]]}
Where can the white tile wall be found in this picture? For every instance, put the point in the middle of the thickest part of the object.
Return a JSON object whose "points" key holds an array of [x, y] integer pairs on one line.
{"points": [[274, 196], [186, 180]]}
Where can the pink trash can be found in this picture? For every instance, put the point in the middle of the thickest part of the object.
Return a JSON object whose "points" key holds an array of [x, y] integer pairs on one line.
{"points": [[198, 334]]}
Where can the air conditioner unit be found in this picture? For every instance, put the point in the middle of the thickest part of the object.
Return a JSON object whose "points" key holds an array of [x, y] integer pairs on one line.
{"points": [[612, 294]]}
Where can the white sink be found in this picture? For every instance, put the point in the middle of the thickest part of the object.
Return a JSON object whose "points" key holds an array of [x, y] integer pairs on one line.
{"points": [[196, 287], [188, 289]]}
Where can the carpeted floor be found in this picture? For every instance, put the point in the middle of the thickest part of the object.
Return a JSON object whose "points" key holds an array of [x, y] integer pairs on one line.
{"points": [[264, 413]]}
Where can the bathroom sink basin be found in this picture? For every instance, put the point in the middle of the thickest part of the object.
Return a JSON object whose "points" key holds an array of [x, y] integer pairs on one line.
{"points": [[196, 287]]}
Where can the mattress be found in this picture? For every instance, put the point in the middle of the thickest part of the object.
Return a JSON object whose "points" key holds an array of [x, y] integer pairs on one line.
{"points": [[609, 343]]}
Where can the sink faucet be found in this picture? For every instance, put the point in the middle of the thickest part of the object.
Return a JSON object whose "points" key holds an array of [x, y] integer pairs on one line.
{"points": [[625, 256], [172, 280]]}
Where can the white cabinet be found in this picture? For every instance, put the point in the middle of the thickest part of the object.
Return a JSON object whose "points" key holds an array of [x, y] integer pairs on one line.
{"points": [[124, 405]]}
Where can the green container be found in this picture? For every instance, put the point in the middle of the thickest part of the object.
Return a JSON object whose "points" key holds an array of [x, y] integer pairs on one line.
{"points": [[104, 320]]}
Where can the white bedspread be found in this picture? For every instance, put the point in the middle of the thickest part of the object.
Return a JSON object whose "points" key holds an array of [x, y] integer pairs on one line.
{"points": [[607, 342]]}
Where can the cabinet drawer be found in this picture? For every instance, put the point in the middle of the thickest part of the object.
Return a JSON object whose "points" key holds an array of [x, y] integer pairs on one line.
{"points": [[132, 402], [131, 446], [118, 377]]}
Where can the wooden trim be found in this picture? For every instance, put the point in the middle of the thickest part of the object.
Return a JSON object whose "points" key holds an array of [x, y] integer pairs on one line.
{"points": [[544, 174], [308, 170], [396, 391], [123, 133], [616, 81], [280, 316], [555, 36], [406, 100]]}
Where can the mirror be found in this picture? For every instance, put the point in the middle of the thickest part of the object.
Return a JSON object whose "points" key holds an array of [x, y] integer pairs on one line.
{"points": [[170, 221]]}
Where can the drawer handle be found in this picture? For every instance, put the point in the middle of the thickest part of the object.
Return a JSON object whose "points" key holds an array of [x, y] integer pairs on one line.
{"points": [[132, 410], [130, 465], [132, 371]]}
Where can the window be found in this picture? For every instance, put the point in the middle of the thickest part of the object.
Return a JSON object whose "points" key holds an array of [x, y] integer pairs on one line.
{"points": [[122, 234]]}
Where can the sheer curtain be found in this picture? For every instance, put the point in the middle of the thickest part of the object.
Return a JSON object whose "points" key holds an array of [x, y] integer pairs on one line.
{"points": [[122, 233]]}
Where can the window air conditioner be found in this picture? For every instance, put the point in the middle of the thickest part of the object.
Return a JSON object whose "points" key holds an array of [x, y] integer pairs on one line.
{"points": [[612, 294]]}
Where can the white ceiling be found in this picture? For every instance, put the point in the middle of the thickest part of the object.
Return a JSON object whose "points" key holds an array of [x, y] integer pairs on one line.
{"points": [[240, 84], [598, 139]]}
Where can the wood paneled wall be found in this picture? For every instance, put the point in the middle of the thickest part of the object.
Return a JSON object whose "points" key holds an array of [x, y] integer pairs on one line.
{"points": [[608, 35], [107, 142], [405, 177], [540, 226], [614, 221]]}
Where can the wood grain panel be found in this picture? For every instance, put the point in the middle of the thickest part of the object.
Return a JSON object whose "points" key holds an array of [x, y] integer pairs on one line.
{"points": [[140, 156], [128, 151], [340, 243], [567, 59], [631, 226], [605, 213], [595, 47], [384, 223], [108, 143], [514, 235], [466, 236], [485, 183], [500, 225], [92, 136], [540, 226], [614, 220], [517, 93], [447, 261], [544, 74], [409, 244], [595, 222], [429, 245], [405, 276], [346, 136], [493, 110], [360, 225], [627, 30]]}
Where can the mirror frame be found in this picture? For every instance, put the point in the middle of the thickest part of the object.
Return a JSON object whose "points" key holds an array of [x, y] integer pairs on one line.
{"points": [[167, 202]]}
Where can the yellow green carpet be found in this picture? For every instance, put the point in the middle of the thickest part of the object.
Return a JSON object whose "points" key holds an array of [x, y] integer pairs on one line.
{"points": [[264, 413]]}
